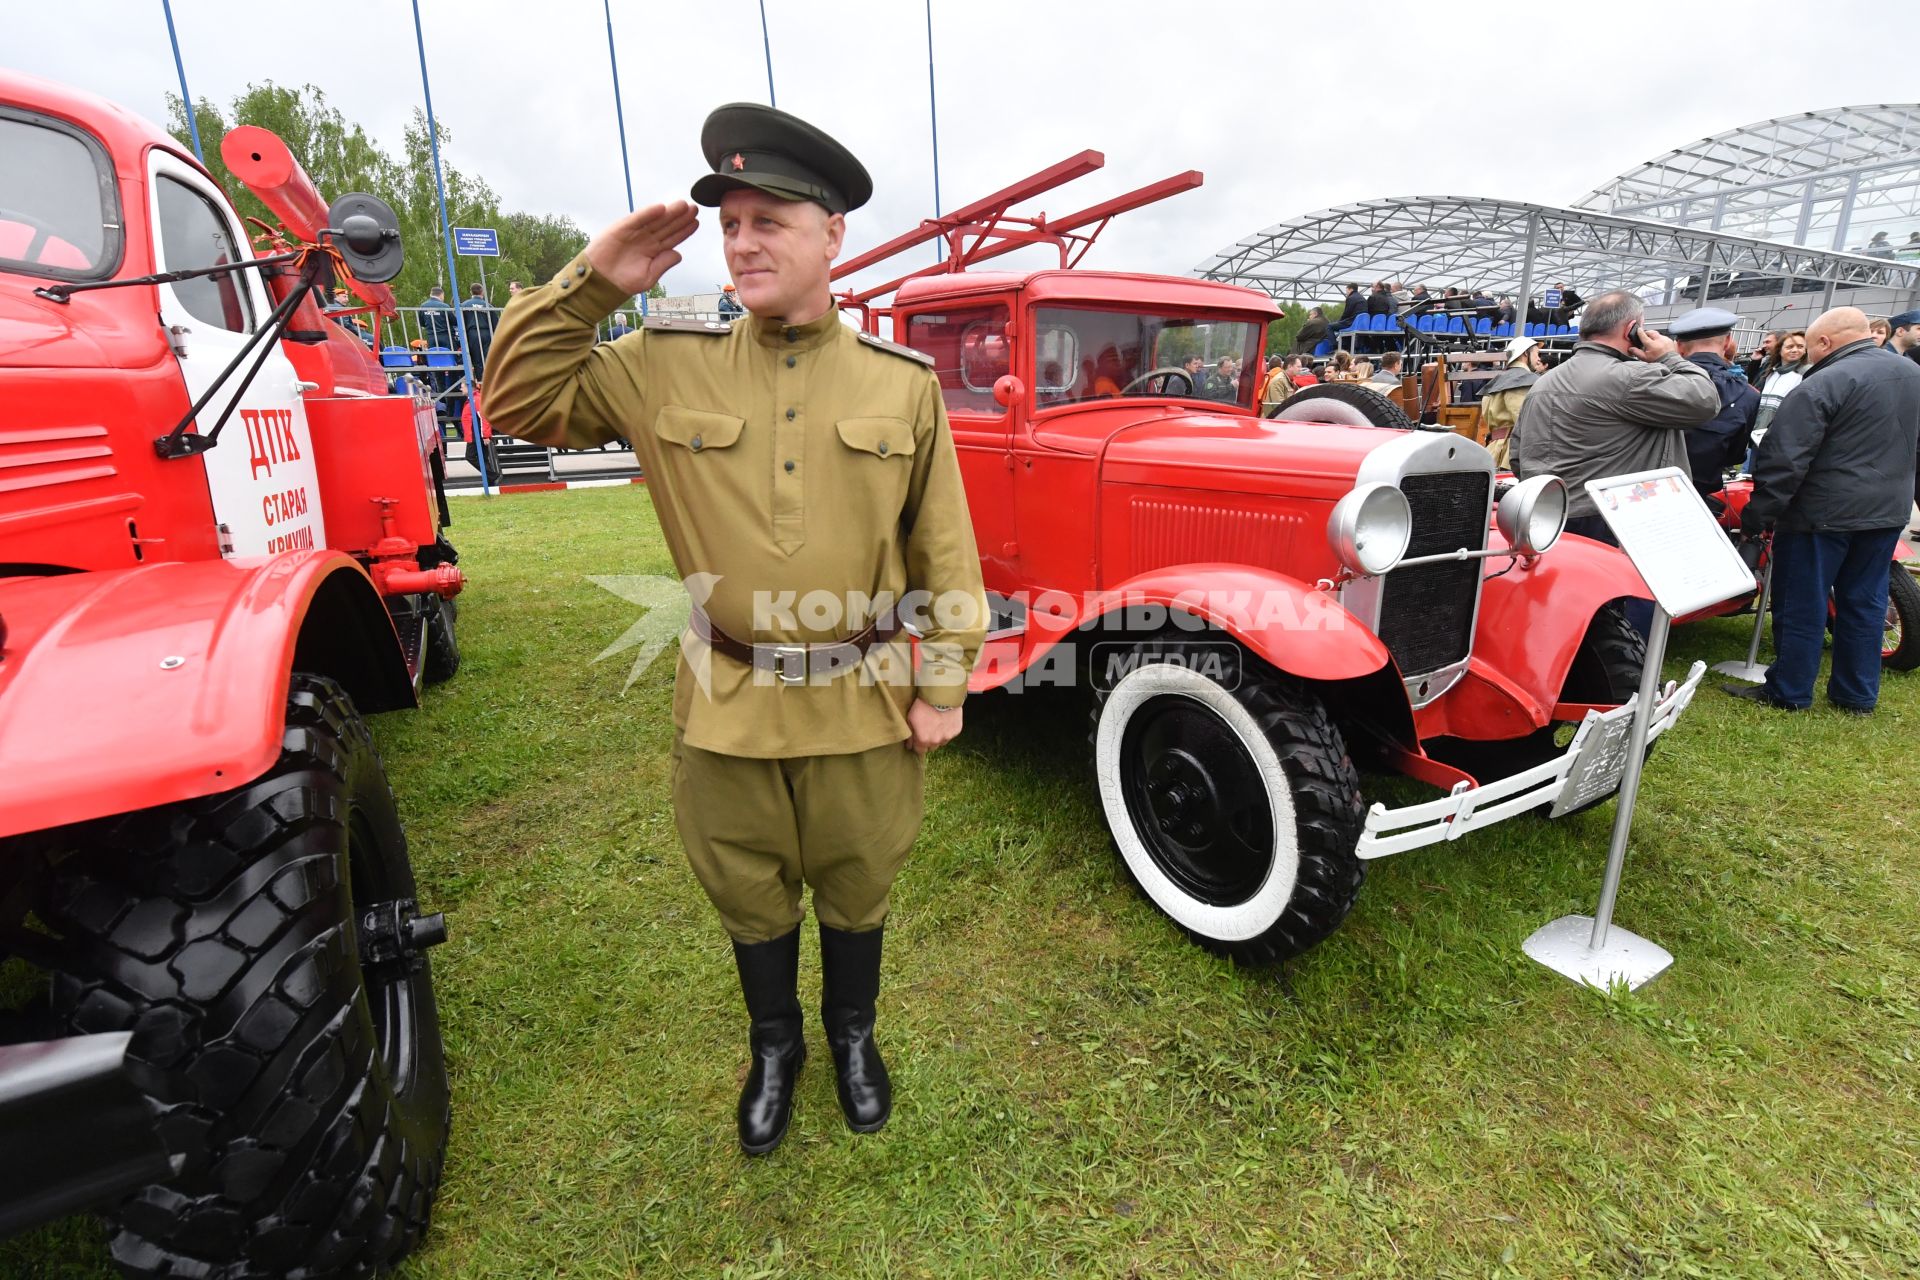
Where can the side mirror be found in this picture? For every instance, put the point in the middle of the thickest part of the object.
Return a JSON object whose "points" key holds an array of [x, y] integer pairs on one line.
{"points": [[1007, 388], [367, 235]]}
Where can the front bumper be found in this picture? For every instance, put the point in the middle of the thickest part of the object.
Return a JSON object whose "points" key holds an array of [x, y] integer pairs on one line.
{"points": [[74, 1131], [1588, 770]]}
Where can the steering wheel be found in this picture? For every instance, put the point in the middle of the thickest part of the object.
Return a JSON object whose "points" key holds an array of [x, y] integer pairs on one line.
{"points": [[1166, 374], [42, 232]]}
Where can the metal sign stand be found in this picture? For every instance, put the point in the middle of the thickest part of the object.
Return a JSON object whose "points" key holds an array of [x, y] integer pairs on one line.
{"points": [[1753, 671], [1590, 949], [1664, 526]]}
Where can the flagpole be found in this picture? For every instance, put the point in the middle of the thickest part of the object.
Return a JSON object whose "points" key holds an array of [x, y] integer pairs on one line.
{"points": [[619, 115], [933, 111], [186, 99], [767, 43], [446, 232]]}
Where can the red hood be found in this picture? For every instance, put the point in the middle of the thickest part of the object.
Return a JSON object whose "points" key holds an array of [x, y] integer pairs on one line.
{"points": [[1234, 453], [38, 334]]}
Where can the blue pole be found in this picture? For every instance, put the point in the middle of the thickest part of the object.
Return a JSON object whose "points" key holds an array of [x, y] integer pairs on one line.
{"points": [[933, 110], [446, 231], [186, 99], [767, 44], [619, 116]]}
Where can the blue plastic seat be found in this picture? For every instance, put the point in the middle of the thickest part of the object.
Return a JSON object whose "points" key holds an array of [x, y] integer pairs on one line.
{"points": [[1427, 322], [441, 358], [1483, 326], [1456, 325], [1532, 330], [394, 357], [1323, 348], [1503, 330]]}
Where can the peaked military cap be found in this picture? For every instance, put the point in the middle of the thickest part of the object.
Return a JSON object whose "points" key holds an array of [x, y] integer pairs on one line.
{"points": [[1702, 322], [748, 145], [1904, 319]]}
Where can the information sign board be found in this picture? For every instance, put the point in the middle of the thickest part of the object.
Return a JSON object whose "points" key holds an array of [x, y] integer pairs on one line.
{"points": [[1666, 530], [476, 242]]}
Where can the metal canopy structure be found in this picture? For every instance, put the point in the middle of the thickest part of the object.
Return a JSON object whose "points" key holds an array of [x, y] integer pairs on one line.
{"points": [[1830, 178], [1490, 244]]}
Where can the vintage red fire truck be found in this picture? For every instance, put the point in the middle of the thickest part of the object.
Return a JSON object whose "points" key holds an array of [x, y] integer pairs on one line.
{"points": [[220, 547], [1255, 601]]}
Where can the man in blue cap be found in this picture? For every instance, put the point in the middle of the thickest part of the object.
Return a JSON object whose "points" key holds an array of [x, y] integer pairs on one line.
{"points": [[1705, 335], [1903, 336]]}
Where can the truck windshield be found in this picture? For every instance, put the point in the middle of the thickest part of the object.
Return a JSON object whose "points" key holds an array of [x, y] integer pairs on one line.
{"points": [[57, 210], [1082, 354]]}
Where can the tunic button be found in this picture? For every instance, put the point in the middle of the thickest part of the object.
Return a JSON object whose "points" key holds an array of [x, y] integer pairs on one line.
{"points": [[793, 335], [883, 448], [579, 271], [789, 464], [792, 361], [789, 415], [565, 283], [696, 444]]}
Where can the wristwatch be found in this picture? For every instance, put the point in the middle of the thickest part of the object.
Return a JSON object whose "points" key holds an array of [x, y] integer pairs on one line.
{"points": [[937, 707]]}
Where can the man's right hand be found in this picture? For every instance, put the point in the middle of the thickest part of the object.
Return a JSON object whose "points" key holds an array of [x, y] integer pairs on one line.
{"points": [[635, 251], [1654, 345]]}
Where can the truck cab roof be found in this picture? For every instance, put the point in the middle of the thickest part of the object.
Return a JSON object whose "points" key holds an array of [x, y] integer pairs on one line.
{"points": [[1124, 288]]}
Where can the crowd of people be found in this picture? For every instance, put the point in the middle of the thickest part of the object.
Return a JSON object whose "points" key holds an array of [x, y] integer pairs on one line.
{"points": [[1827, 422]]}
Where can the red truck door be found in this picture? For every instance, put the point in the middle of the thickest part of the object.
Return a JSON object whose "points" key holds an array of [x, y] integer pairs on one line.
{"points": [[971, 350], [261, 474]]}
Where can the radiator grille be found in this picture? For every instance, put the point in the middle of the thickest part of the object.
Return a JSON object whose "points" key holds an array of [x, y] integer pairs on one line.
{"points": [[1426, 612]]}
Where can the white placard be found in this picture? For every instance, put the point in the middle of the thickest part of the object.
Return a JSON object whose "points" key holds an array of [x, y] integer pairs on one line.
{"points": [[1666, 530]]}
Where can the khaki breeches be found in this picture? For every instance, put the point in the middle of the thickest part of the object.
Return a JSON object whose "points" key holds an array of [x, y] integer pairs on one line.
{"points": [[756, 829]]}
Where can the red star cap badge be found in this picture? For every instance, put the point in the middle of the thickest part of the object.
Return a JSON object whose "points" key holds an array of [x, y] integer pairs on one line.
{"points": [[739, 162]]}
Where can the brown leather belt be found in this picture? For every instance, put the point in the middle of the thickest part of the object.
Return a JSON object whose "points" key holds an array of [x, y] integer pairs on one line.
{"points": [[796, 663]]}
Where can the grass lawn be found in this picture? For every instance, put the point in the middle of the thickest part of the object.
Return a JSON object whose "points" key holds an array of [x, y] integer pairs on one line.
{"points": [[1083, 1093]]}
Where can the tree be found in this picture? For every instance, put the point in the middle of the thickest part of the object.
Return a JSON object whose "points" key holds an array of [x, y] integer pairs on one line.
{"points": [[340, 157]]}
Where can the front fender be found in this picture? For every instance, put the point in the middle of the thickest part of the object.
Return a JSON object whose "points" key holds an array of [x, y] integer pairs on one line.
{"points": [[168, 681], [1532, 620], [1299, 630]]}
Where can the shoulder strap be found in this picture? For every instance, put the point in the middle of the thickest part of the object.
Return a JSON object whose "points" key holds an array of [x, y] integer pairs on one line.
{"points": [[891, 348], [679, 324]]}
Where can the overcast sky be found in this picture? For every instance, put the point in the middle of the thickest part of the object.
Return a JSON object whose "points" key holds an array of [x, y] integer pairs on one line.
{"points": [[1285, 109]]}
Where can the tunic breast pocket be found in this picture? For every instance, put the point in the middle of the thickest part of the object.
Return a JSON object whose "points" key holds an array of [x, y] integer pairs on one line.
{"points": [[878, 460]]}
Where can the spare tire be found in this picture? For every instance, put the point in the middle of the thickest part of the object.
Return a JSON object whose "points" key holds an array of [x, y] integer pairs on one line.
{"points": [[1349, 404]]}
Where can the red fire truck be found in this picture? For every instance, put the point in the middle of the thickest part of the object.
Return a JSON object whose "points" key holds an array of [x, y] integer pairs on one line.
{"points": [[1255, 601], [220, 547]]}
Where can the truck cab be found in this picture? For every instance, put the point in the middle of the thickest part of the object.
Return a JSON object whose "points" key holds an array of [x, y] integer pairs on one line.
{"points": [[1218, 579]]}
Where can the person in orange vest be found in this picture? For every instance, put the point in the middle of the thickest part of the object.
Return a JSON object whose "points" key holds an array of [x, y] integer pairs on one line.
{"points": [[479, 449]]}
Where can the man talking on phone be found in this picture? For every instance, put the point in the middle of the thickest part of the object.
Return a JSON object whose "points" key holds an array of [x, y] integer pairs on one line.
{"points": [[1622, 402]]}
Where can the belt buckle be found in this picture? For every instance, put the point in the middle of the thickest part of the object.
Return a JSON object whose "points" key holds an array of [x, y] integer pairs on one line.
{"points": [[790, 663]]}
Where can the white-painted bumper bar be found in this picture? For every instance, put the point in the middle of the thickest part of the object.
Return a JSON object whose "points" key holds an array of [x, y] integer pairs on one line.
{"points": [[1588, 770]]}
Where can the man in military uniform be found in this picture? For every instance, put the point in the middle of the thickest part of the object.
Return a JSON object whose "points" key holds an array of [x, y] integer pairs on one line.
{"points": [[791, 461], [1705, 335]]}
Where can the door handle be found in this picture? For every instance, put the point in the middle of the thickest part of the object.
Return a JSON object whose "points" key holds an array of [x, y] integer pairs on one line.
{"points": [[299, 386]]}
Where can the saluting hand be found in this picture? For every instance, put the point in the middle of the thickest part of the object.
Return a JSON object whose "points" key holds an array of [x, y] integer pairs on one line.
{"points": [[635, 251]]}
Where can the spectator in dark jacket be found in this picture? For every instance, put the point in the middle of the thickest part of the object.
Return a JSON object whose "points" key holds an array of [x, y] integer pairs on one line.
{"points": [[1834, 480], [1380, 301], [1312, 333], [1352, 305], [477, 319], [436, 319], [1422, 301]]}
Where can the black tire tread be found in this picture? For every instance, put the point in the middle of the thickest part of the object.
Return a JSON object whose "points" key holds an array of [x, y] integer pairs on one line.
{"points": [[1375, 407], [1904, 593], [220, 933], [1328, 808]]}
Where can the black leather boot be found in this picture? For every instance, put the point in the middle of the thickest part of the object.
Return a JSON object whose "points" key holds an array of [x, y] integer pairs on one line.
{"points": [[769, 973], [849, 985]]}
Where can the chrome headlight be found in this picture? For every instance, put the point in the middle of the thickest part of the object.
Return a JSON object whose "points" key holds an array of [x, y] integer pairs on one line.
{"points": [[1533, 514], [1370, 528]]}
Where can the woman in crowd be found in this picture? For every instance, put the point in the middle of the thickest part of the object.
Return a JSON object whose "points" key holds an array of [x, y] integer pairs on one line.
{"points": [[1781, 373]]}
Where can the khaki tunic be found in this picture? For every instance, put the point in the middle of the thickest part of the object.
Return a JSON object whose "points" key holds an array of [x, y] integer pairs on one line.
{"points": [[784, 460]]}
